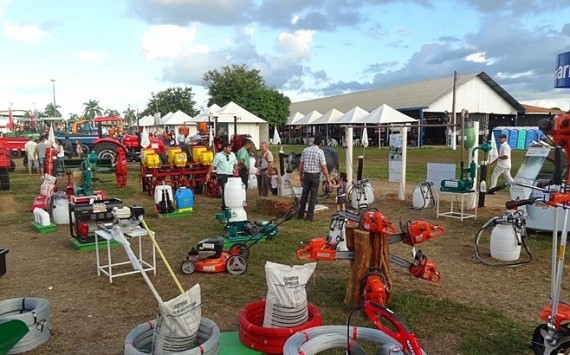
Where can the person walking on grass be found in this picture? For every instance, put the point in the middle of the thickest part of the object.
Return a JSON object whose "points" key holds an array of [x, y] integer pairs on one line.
{"points": [[312, 163], [503, 166]]}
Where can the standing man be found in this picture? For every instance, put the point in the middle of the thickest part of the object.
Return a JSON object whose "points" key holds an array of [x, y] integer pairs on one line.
{"points": [[30, 148], [243, 161], [225, 162], [41, 154], [312, 163], [503, 162], [264, 173]]}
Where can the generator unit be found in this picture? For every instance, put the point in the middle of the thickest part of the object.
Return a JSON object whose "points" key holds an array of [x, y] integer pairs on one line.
{"points": [[85, 217]]}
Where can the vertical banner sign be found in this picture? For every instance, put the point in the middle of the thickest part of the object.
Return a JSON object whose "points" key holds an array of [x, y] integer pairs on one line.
{"points": [[395, 158], [562, 71]]}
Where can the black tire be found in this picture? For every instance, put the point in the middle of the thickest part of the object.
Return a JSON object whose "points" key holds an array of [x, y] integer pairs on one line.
{"points": [[561, 347], [15, 154], [86, 150], [4, 179], [105, 150], [12, 166]]}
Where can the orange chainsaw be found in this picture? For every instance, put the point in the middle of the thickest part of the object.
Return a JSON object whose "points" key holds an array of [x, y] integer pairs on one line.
{"points": [[413, 233]]}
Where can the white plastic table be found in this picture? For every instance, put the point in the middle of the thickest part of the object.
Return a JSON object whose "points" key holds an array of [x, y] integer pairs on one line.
{"points": [[459, 197], [107, 268]]}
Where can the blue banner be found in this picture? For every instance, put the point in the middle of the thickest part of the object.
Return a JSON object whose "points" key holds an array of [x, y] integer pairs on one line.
{"points": [[562, 71]]}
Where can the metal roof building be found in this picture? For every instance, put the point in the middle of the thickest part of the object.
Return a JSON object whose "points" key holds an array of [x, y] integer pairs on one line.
{"points": [[431, 102]]}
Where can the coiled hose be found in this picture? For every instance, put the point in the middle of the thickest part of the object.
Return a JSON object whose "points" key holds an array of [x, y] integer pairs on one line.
{"points": [[34, 312], [317, 339], [139, 340]]}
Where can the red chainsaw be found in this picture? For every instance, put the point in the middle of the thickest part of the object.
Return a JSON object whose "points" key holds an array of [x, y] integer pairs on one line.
{"points": [[412, 233]]}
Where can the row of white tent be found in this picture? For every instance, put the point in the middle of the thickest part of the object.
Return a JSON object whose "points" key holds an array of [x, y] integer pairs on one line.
{"points": [[223, 114], [383, 114]]}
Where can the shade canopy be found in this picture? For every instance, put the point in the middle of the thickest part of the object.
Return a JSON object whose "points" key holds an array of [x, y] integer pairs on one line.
{"points": [[352, 116], [329, 117], [310, 118], [227, 114], [385, 115], [177, 119], [292, 120], [203, 116], [166, 117]]}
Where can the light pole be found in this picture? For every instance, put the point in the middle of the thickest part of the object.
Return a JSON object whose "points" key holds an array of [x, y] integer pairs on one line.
{"points": [[53, 90]]}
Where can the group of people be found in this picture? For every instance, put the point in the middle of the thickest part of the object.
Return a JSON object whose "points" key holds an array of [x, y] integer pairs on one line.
{"points": [[36, 153], [228, 164]]}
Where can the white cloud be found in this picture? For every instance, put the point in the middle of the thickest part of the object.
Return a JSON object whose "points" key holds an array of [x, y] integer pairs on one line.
{"points": [[3, 4], [25, 33], [294, 20], [91, 56], [170, 41], [296, 45]]}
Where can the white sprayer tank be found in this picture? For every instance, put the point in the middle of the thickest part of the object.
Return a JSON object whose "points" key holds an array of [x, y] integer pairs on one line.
{"points": [[504, 243], [159, 189], [235, 199], [421, 197], [362, 196], [41, 217], [60, 208]]}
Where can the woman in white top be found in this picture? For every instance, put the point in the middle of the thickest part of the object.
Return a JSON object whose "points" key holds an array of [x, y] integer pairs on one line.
{"points": [[60, 157]]}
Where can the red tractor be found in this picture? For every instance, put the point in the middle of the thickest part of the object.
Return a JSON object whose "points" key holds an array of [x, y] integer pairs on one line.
{"points": [[6, 165]]}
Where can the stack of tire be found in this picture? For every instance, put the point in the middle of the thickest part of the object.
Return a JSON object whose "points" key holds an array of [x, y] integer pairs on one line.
{"points": [[265, 339]]}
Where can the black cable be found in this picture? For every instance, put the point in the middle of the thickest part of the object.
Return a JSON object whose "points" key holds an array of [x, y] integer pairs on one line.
{"points": [[348, 327]]}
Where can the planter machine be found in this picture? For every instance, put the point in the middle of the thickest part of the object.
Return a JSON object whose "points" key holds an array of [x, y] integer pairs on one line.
{"points": [[413, 233], [208, 255]]}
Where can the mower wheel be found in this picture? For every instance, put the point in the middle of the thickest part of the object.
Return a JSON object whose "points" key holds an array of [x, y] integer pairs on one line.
{"points": [[236, 265], [240, 249], [188, 267], [540, 346]]}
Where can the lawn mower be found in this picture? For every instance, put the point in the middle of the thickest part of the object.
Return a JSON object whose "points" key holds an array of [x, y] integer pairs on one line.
{"points": [[373, 284], [239, 231], [208, 255]]}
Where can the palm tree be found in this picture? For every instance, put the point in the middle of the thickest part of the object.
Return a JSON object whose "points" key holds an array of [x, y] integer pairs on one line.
{"points": [[52, 111], [130, 115], [111, 112], [92, 110]]}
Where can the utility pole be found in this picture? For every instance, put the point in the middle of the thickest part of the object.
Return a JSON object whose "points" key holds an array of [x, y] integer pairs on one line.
{"points": [[53, 90], [453, 114]]}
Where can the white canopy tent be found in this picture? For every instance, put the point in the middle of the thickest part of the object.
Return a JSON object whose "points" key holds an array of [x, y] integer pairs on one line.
{"points": [[294, 118], [177, 119], [309, 119], [246, 122], [205, 113], [385, 115], [351, 116], [165, 118], [146, 121], [329, 117]]}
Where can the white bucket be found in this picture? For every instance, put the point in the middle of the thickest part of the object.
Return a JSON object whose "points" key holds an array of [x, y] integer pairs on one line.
{"points": [[504, 243], [41, 217], [285, 186], [59, 208], [235, 198], [362, 198]]}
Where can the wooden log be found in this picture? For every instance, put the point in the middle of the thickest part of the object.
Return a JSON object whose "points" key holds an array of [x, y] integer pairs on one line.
{"points": [[358, 266], [266, 205]]}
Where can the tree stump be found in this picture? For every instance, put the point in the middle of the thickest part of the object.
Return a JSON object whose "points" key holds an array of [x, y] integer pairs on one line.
{"points": [[358, 266]]}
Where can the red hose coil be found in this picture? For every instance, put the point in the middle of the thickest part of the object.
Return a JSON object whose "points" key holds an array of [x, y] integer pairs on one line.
{"points": [[269, 340]]}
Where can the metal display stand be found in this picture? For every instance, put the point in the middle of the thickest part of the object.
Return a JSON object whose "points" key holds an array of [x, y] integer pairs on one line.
{"points": [[107, 269], [457, 197]]}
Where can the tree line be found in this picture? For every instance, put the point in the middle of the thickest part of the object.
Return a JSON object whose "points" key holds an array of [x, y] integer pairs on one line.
{"points": [[246, 87]]}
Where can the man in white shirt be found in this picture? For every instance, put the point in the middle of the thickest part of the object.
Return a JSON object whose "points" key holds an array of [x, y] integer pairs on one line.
{"points": [[503, 162], [30, 148]]}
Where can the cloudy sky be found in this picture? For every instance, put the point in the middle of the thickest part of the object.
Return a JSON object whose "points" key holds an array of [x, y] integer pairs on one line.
{"points": [[120, 51]]}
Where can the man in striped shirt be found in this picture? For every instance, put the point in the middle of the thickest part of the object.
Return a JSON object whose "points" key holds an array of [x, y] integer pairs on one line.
{"points": [[312, 163]]}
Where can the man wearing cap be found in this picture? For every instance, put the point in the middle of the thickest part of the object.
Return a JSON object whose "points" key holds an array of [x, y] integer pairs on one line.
{"points": [[225, 163], [312, 163], [503, 162]]}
